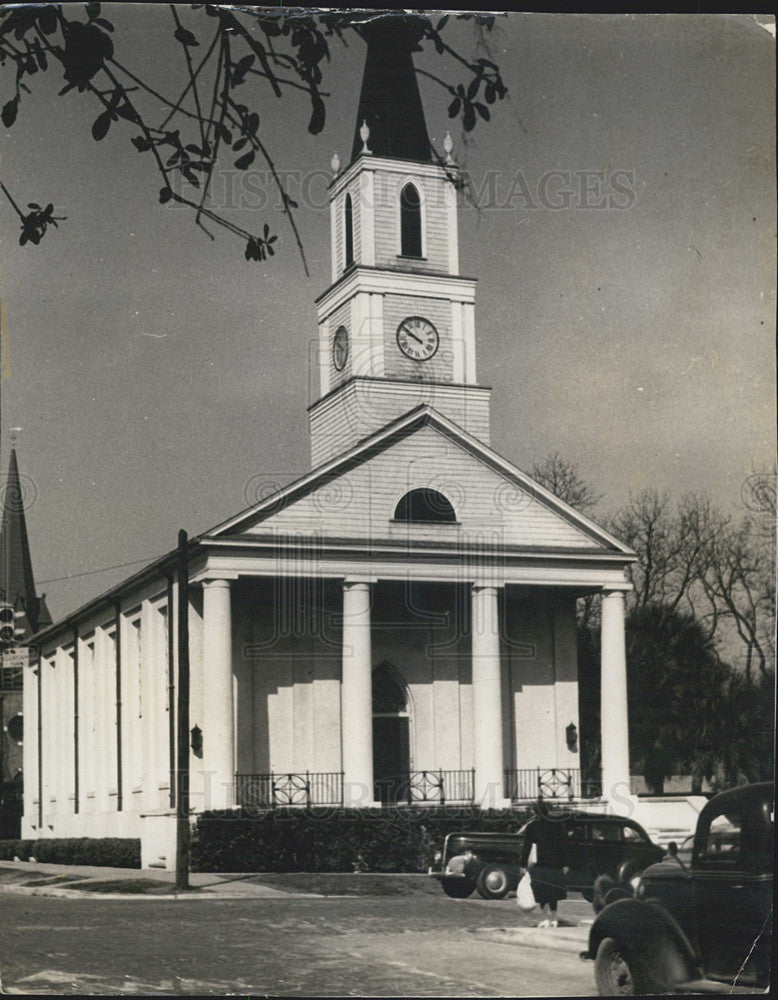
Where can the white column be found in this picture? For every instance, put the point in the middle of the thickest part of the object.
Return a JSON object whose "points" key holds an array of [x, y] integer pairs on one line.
{"points": [[357, 696], [30, 745], [335, 205], [451, 227], [377, 334], [325, 357], [468, 336], [614, 722], [218, 762], [487, 698], [367, 218], [457, 344]]}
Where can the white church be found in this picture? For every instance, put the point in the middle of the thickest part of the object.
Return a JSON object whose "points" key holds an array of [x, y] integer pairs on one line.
{"points": [[399, 624]]}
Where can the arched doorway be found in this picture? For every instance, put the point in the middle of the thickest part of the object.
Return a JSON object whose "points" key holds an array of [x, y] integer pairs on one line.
{"points": [[391, 736]]}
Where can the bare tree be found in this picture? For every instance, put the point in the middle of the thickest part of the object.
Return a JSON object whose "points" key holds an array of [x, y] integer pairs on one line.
{"points": [[564, 480]]}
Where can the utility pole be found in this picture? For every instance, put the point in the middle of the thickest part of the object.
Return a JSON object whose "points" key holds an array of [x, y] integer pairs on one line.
{"points": [[182, 802]]}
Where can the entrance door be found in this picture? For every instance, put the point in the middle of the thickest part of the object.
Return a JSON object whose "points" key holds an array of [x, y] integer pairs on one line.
{"points": [[391, 758], [391, 741]]}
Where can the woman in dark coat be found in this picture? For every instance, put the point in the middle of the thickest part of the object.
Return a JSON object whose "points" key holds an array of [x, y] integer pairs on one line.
{"points": [[549, 836]]}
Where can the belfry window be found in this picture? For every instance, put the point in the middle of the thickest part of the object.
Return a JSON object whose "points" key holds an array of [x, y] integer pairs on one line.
{"points": [[410, 222], [349, 227], [425, 505]]}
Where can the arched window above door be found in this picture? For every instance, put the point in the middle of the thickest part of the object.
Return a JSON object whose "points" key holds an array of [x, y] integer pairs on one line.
{"points": [[410, 222], [388, 693]]}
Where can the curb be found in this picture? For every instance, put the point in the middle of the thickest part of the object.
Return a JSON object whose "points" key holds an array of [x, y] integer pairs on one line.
{"points": [[570, 939], [203, 894]]}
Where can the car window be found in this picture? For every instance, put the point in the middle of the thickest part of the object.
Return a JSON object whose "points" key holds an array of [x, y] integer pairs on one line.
{"points": [[605, 831], [631, 834], [721, 842]]}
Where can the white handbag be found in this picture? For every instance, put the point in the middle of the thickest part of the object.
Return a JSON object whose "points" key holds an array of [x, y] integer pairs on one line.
{"points": [[524, 895]]}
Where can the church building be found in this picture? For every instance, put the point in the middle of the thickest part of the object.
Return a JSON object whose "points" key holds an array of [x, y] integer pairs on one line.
{"points": [[398, 625], [22, 613]]}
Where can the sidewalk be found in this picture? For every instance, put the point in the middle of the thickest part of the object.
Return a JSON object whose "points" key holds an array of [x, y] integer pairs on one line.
{"points": [[31, 878]]}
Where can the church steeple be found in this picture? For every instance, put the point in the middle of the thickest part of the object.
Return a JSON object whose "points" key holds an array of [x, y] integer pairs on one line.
{"points": [[397, 324], [17, 585], [389, 102]]}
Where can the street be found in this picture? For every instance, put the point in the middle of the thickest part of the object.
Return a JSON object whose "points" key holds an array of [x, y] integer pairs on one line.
{"points": [[293, 946]]}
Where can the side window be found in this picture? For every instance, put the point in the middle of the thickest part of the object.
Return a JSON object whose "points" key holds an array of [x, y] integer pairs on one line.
{"points": [[606, 832], [720, 843], [410, 222], [348, 220], [631, 834]]}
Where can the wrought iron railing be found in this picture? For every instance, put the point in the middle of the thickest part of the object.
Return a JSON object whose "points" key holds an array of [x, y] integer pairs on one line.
{"points": [[274, 789], [551, 783], [440, 787]]}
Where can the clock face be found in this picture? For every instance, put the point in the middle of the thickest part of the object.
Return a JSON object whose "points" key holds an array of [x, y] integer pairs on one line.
{"points": [[340, 348], [417, 338]]}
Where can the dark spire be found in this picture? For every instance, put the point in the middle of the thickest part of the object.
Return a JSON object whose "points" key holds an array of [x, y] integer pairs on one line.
{"points": [[17, 586], [390, 101]]}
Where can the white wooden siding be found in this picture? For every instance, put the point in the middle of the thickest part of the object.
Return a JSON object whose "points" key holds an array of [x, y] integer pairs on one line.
{"points": [[491, 509], [438, 311], [388, 186], [363, 407]]}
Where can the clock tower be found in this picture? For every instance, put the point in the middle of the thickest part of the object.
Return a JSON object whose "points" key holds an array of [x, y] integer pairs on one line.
{"points": [[396, 325]]}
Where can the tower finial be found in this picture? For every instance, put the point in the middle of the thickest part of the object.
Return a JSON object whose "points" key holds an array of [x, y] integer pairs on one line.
{"points": [[15, 431], [364, 135], [448, 146], [335, 164]]}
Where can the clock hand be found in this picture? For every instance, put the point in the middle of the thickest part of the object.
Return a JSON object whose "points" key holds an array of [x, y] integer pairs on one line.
{"points": [[417, 339]]}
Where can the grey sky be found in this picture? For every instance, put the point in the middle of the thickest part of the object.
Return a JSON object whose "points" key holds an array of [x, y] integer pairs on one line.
{"points": [[156, 373]]}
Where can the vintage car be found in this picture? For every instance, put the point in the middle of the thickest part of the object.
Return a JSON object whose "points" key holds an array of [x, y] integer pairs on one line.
{"points": [[597, 845], [700, 927]]}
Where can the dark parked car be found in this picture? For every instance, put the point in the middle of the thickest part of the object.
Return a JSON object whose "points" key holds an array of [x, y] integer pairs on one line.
{"points": [[699, 927], [596, 845]]}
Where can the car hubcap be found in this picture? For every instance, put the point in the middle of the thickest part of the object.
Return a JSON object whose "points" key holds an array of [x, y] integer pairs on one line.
{"points": [[495, 881], [621, 976]]}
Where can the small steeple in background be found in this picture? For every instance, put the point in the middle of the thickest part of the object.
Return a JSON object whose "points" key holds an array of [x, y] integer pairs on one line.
{"points": [[390, 103], [17, 584]]}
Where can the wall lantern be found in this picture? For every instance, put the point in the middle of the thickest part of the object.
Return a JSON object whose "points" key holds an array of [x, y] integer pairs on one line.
{"points": [[197, 741], [571, 734]]}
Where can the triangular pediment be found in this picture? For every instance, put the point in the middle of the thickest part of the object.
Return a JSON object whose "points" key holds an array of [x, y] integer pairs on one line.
{"points": [[355, 496]]}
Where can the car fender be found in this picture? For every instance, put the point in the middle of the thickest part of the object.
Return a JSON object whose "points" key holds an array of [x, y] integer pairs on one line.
{"points": [[660, 951]]}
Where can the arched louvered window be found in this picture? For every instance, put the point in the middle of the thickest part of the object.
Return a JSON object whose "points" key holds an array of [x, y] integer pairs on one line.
{"points": [[349, 226], [410, 222], [425, 505], [389, 696]]}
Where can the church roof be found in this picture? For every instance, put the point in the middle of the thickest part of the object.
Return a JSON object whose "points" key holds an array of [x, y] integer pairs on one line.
{"points": [[389, 101], [17, 585]]}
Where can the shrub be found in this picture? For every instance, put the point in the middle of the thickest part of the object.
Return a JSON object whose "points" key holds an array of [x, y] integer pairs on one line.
{"points": [[109, 852], [400, 839]]}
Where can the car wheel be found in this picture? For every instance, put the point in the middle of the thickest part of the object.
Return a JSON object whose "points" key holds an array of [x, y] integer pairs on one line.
{"points": [[612, 971], [602, 886], [492, 883], [458, 888], [628, 870]]}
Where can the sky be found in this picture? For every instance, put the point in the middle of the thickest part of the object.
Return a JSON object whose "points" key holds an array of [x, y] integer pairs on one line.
{"points": [[158, 376]]}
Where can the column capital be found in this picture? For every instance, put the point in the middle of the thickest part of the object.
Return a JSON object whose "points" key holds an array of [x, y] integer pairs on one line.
{"points": [[616, 590], [355, 582], [217, 582], [480, 586]]}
